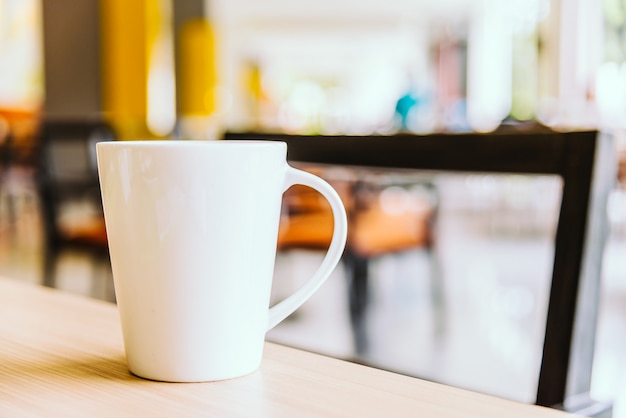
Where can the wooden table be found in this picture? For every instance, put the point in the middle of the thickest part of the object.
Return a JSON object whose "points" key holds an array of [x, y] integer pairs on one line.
{"points": [[62, 355]]}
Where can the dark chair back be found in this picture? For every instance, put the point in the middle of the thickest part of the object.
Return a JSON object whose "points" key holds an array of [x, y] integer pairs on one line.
{"points": [[69, 190], [587, 164]]}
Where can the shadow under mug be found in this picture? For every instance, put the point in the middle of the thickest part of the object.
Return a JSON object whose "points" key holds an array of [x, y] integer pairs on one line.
{"points": [[192, 229]]}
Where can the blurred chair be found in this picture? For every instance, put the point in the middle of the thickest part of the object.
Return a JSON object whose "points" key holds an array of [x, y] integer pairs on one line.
{"points": [[70, 198], [392, 213], [388, 213], [18, 140]]}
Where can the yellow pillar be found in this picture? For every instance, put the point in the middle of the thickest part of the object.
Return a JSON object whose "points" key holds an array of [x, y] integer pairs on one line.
{"points": [[130, 32], [197, 69], [197, 78]]}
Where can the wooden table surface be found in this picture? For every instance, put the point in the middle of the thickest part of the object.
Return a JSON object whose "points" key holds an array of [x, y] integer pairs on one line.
{"points": [[62, 355]]}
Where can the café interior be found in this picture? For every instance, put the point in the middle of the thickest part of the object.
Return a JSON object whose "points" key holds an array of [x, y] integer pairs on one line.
{"points": [[454, 247]]}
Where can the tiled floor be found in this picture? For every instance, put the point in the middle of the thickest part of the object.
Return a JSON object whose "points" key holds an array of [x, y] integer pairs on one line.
{"points": [[493, 264]]}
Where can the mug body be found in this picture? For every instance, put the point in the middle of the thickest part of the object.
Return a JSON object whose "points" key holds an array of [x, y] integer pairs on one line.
{"points": [[192, 229]]}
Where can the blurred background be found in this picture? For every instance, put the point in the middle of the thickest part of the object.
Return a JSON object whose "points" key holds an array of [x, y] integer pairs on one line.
{"points": [[195, 69], [202, 67]]}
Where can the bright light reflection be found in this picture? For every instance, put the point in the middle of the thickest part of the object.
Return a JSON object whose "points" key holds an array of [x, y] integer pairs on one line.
{"points": [[21, 69], [490, 63], [611, 94], [161, 112]]}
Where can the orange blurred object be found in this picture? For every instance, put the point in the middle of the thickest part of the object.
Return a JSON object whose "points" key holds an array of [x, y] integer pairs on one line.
{"points": [[377, 223]]}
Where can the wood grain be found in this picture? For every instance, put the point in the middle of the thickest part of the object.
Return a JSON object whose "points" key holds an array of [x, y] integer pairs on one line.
{"points": [[62, 355]]}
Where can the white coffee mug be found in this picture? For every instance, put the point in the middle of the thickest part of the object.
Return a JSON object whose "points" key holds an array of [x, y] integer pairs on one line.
{"points": [[192, 229]]}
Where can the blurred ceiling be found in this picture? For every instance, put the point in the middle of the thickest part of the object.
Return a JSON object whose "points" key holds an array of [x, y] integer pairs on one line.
{"points": [[291, 12]]}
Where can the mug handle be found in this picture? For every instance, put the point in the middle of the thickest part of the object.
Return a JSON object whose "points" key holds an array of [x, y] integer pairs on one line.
{"points": [[286, 307]]}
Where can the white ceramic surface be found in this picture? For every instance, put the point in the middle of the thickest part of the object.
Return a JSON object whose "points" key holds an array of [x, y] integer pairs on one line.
{"points": [[192, 228]]}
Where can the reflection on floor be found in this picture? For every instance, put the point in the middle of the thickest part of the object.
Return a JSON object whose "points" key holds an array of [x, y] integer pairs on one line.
{"points": [[485, 335]]}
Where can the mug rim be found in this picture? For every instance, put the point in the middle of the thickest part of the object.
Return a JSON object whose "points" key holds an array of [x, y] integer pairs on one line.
{"points": [[189, 142]]}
